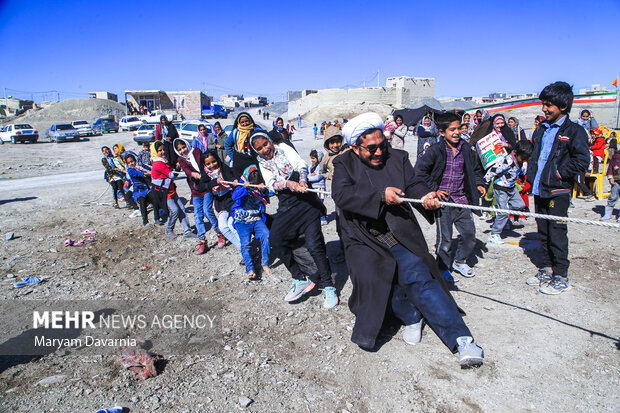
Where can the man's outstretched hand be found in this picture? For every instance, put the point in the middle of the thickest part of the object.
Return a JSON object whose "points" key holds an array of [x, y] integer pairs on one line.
{"points": [[430, 201], [393, 196]]}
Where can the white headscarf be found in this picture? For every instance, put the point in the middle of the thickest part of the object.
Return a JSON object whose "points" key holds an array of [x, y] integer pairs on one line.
{"points": [[354, 128]]}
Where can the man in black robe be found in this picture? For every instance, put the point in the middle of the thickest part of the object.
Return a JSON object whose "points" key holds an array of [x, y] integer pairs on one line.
{"points": [[385, 248]]}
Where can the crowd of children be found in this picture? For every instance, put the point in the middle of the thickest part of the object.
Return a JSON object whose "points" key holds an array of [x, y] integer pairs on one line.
{"points": [[233, 200]]}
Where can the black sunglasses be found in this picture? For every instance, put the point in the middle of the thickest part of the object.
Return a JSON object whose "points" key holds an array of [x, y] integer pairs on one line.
{"points": [[373, 148]]}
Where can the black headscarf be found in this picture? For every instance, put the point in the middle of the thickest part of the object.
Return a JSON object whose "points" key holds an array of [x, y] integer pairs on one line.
{"points": [[505, 130]]}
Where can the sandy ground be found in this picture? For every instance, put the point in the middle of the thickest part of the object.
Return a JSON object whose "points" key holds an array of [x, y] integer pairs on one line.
{"points": [[543, 353]]}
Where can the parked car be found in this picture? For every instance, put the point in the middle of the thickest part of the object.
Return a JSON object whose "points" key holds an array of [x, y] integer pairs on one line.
{"points": [[83, 127], [228, 129], [189, 128], [19, 133], [130, 123], [145, 133], [102, 125], [61, 132], [177, 124]]}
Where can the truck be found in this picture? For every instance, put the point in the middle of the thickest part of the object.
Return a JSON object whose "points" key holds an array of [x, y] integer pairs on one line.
{"points": [[155, 116], [214, 111]]}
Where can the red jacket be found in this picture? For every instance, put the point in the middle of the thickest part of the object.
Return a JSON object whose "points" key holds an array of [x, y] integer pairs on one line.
{"points": [[161, 170], [598, 147]]}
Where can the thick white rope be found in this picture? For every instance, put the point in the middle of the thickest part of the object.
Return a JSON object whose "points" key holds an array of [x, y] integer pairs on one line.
{"points": [[486, 209], [94, 201]]}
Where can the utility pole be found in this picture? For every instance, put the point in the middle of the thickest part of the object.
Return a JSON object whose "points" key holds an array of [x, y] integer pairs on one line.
{"points": [[618, 107], [57, 96], [377, 77], [6, 102]]}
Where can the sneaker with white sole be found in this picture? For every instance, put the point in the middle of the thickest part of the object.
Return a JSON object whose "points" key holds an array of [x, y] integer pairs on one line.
{"points": [[542, 277], [495, 239], [298, 288], [413, 333], [556, 286], [331, 298], [470, 354]]}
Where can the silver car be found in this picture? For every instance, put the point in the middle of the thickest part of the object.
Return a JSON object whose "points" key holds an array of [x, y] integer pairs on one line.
{"points": [[83, 127], [60, 132]]}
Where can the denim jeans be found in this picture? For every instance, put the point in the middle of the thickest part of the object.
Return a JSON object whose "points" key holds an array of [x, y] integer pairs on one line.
{"points": [[204, 207], [177, 210], [464, 223], [245, 236], [507, 198], [613, 195], [225, 224], [417, 294]]}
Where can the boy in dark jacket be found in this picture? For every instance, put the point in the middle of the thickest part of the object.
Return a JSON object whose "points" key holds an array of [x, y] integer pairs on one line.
{"points": [[452, 169], [560, 153]]}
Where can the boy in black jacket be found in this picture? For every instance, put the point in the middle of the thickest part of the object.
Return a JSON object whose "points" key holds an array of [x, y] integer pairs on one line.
{"points": [[452, 169], [561, 152]]}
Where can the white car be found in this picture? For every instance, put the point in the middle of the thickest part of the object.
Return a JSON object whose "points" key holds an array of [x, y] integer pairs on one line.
{"points": [[145, 133], [189, 128], [18, 133], [130, 123], [84, 128]]}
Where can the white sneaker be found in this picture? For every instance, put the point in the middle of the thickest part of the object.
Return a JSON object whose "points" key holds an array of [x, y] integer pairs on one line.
{"points": [[495, 239], [413, 333], [470, 354]]}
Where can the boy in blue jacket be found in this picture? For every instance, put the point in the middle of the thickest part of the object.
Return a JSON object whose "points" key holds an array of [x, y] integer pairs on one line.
{"points": [[560, 153]]}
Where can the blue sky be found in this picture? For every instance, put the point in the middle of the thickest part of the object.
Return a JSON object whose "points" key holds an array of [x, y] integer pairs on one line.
{"points": [[269, 47]]}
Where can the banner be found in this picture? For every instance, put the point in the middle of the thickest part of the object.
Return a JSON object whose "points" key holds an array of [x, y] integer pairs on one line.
{"points": [[490, 149]]}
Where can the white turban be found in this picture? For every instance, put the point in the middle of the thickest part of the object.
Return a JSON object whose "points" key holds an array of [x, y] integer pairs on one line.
{"points": [[354, 128]]}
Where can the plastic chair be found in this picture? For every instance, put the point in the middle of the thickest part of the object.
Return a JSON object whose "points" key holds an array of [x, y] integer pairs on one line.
{"points": [[599, 179]]}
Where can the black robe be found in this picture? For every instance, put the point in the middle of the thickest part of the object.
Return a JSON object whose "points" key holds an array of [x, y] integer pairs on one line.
{"points": [[357, 190]]}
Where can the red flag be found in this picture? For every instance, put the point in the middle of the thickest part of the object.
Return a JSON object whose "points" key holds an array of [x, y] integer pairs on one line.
{"points": [[615, 82]]}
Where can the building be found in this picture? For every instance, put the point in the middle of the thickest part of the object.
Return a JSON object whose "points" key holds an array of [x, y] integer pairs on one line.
{"points": [[292, 95], [497, 95], [252, 101], [104, 95], [13, 107], [187, 103], [399, 92]]}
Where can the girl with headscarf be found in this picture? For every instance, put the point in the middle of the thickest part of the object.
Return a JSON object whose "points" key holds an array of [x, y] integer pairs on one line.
{"points": [[466, 120], [248, 212], [481, 124], [399, 133], [212, 172], [427, 133], [498, 124], [518, 132], [162, 179], [237, 144], [113, 173], [299, 213], [279, 134], [315, 178], [142, 193], [189, 160], [217, 139]]}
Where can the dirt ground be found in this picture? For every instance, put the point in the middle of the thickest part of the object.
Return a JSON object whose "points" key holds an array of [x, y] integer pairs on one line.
{"points": [[542, 353]]}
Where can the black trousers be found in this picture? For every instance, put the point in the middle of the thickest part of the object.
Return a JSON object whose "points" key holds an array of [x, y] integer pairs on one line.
{"points": [[143, 201], [116, 186], [287, 227], [553, 234], [160, 199]]}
